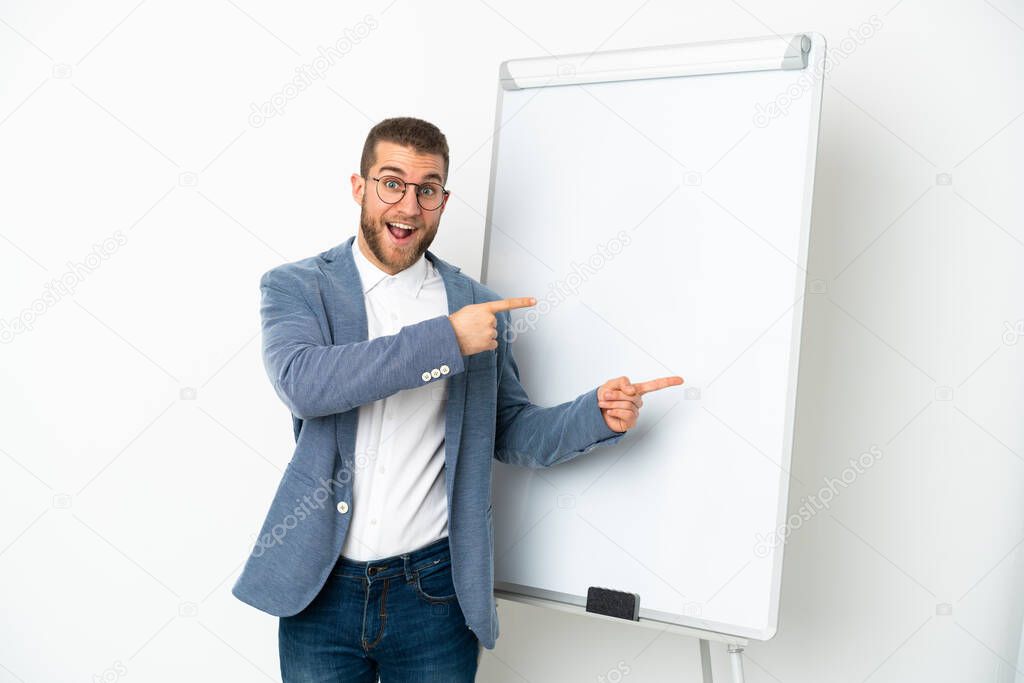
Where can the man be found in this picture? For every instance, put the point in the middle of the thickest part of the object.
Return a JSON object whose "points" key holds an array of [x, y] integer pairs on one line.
{"points": [[377, 551]]}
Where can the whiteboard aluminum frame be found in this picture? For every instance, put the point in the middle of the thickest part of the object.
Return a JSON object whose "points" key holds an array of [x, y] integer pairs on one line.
{"points": [[812, 48], [766, 53]]}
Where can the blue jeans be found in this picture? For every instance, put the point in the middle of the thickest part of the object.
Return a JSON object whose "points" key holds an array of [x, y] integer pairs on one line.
{"points": [[397, 617]]}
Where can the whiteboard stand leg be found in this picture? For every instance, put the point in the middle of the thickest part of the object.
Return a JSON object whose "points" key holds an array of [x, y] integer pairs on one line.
{"points": [[705, 662], [736, 659]]}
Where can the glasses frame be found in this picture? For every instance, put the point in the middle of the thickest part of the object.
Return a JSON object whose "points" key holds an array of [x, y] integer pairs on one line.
{"points": [[405, 186]]}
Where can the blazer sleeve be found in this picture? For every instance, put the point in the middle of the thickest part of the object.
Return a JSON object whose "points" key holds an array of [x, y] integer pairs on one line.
{"points": [[535, 436], [315, 379]]}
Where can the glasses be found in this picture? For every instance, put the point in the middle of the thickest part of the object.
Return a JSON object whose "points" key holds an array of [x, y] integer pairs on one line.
{"points": [[429, 196]]}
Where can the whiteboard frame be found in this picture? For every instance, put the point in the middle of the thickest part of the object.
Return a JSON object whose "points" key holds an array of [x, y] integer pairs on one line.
{"points": [[815, 65]]}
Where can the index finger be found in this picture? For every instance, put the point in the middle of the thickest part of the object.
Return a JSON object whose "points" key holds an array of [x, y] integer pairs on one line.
{"points": [[656, 384], [509, 304]]}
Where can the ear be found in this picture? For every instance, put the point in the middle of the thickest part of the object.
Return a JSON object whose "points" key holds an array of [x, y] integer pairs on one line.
{"points": [[358, 188], [444, 204]]}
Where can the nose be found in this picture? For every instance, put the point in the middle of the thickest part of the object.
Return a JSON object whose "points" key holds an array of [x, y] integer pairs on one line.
{"points": [[408, 203]]}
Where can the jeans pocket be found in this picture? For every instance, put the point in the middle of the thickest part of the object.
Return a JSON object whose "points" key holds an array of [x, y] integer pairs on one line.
{"points": [[434, 584]]}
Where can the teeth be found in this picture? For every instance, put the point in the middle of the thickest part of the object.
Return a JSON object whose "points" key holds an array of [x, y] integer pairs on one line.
{"points": [[402, 225]]}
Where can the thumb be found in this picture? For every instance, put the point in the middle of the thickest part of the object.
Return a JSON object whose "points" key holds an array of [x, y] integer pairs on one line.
{"points": [[621, 383]]}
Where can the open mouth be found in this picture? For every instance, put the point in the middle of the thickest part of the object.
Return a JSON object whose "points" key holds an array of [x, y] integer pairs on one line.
{"points": [[401, 232]]}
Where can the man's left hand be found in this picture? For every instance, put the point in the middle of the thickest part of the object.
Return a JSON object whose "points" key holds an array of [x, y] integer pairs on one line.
{"points": [[620, 400]]}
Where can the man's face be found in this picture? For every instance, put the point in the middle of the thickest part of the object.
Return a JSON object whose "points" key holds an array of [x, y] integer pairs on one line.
{"points": [[380, 223]]}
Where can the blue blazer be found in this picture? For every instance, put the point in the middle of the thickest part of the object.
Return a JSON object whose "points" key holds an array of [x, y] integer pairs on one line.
{"points": [[323, 367]]}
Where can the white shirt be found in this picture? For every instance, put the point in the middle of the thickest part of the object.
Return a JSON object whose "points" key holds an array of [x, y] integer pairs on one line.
{"points": [[398, 487]]}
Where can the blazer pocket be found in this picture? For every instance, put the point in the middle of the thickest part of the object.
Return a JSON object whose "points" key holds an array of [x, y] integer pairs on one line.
{"points": [[299, 475]]}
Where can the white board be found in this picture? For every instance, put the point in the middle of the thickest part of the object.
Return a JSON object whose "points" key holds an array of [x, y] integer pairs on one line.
{"points": [[662, 223]]}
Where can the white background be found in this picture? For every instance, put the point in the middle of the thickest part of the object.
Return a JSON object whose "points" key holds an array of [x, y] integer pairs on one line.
{"points": [[140, 441]]}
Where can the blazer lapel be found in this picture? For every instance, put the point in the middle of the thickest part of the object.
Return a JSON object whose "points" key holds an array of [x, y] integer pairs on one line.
{"points": [[460, 293], [346, 322]]}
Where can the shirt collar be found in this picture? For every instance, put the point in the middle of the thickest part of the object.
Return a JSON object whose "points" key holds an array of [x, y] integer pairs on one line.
{"points": [[409, 280]]}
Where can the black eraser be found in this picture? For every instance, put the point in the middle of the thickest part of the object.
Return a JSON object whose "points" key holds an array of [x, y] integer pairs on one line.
{"points": [[613, 603]]}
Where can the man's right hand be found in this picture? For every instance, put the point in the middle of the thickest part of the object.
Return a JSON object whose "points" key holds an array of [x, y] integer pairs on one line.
{"points": [[476, 326]]}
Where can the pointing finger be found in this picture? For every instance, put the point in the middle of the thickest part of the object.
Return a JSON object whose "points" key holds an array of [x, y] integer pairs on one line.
{"points": [[660, 383], [509, 304]]}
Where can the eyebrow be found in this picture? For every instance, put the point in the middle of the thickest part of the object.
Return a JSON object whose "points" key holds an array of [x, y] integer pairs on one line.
{"points": [[395, 169]]}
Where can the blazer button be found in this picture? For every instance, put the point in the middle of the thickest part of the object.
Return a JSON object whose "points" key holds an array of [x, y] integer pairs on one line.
{"points": [[342, 507], [435, 373], [445, 369], [425, 376]]}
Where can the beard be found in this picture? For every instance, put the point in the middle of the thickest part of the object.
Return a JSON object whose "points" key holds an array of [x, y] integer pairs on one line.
{"points": [[396, 258]]}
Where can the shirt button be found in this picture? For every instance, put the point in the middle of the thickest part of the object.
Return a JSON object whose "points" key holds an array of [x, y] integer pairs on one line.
{"points": [[445, 369], [426, 376], [342, 507], [435, 373]]}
